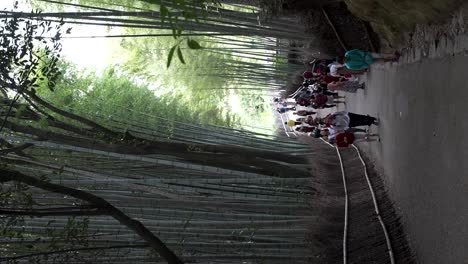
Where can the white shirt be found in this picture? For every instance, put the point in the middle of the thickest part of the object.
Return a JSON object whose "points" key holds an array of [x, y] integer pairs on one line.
{"points": [[341, 120], [334, 70]]}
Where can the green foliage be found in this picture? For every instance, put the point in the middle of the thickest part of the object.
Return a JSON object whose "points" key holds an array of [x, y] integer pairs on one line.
{"points": [[392, 18], [191, 85], [22, 48], [193, 44], [171, 54], [179, 54], [174, 12], [201, 79], [114, 96]]}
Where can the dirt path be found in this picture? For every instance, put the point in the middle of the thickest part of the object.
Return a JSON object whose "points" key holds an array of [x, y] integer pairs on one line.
{"points": [[422, 104]]}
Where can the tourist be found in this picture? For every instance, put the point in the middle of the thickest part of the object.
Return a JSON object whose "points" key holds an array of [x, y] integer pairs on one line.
{"points": [[320, 100], [361, 60], [304, 113], [292, 123], [283, 110], [328, 78], [305, 129], [303, 102], [308, 75], [339, 69], [315, 106], [343, 120], [345, 138], [322, 89], [334, 67], [346, 86]]}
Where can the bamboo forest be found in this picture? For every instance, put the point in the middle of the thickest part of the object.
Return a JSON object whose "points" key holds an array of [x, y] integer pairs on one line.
{"points": [[144, 131]]}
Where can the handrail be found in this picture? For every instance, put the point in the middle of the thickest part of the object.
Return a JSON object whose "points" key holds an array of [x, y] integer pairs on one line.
{"points": [[376, 206], [345, 229]]}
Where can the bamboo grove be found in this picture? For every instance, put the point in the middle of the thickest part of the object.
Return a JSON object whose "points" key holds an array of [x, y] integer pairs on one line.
{"points": [[149, 189], [88, 189]]}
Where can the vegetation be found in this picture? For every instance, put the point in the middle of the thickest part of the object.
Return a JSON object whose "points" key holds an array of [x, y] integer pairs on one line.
{"points": [[223, 83], [112, 95], [84, 156], [138, 166], [392, 18]]}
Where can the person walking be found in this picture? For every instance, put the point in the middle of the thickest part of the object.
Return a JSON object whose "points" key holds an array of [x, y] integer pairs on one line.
{"points": [[344, 120], [321, 100], [304, 129], [345, 86], [283, 110], [304, 113], [361, 60], [345, 138]]}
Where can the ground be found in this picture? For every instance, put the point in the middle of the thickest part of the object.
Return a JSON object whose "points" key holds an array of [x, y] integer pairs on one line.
{"points": [[423, 154]]}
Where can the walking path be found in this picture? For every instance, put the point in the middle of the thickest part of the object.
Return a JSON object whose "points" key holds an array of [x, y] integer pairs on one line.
{"points": [[422, 105]]}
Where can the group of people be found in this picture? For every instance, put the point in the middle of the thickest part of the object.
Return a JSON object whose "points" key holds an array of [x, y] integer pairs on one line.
{"points": [[342, 129], [319, 91], [339, 75]]}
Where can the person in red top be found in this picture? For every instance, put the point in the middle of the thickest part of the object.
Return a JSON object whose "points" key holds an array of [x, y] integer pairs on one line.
{"points": [[321, 100], [328, 79], [304, 102], [308, 75], [345, 139]]}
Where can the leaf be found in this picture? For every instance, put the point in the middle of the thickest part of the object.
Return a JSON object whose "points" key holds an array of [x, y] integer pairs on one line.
{"points": [[193, 44], [179, 54], [171, 54]]}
